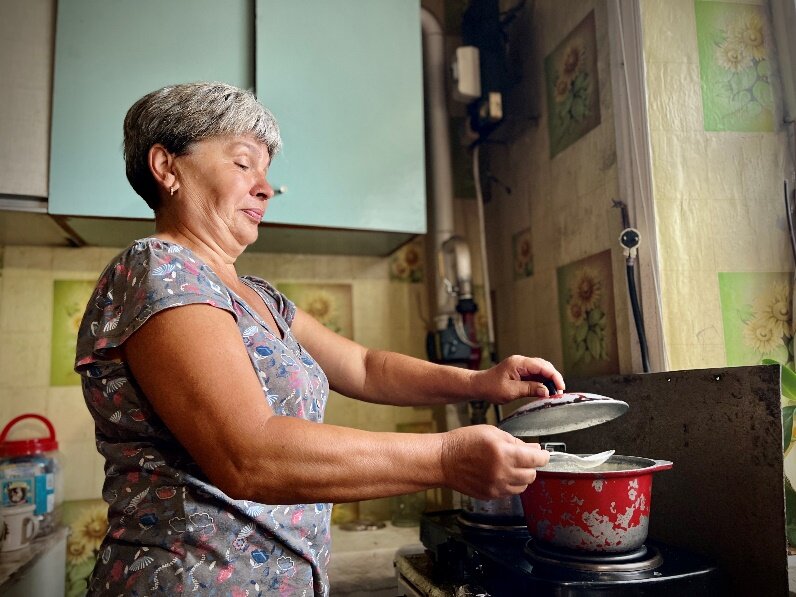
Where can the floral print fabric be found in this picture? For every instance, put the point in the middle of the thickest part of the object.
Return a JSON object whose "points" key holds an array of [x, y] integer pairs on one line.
{"points": [[170, 531]]}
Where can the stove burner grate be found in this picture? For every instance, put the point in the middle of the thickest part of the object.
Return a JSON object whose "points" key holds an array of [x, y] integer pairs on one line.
{"points": [[642, 560], [497, 525], [460, 556]]}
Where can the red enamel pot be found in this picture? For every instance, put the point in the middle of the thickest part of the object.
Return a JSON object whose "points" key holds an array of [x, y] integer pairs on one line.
{"points": [[603, 509]]}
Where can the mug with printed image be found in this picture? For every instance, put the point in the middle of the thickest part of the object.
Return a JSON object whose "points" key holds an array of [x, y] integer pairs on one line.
{"points": [[19, 527]]}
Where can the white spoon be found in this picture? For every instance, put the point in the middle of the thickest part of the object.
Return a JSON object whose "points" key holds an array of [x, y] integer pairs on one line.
{"points": [[580, 461]]}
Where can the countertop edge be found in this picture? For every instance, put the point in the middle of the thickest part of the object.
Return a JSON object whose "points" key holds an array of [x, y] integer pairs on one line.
{"points": [[14, 564]]}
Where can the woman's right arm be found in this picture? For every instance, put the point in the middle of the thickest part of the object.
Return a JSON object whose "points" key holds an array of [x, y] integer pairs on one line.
{"points": [[193, 367]]}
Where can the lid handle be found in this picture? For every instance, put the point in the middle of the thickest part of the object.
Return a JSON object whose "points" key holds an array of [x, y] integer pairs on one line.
{"points": [[660, 465], [554, 446], [16, 420]]}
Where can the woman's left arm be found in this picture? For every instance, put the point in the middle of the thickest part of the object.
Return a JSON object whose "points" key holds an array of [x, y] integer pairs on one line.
{"points": [[387, 377]]}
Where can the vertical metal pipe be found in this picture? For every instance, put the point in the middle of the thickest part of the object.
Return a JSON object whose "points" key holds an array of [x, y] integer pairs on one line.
{"points": [[439, 152]]}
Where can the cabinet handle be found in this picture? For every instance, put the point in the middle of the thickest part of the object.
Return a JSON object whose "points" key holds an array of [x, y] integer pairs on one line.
{"points": [[280, 190]]}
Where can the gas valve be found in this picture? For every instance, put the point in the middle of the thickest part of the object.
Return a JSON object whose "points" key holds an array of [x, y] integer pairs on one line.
{"points": [[630, 239]]}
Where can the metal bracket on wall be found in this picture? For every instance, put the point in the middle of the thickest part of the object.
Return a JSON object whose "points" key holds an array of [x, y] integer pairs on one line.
{"points": [[72, 237]]}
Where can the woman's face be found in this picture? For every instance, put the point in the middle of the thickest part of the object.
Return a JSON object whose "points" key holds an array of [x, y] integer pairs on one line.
{"points": [[223, 188]]}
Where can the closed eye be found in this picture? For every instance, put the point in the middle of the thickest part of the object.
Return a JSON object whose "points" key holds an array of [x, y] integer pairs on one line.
{"points": [[241, 166]]}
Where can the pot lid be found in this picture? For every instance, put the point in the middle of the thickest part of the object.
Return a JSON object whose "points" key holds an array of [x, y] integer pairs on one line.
{"points": [[562, 412]]}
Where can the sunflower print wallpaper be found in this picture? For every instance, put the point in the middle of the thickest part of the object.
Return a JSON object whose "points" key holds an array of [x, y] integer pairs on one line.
{"points": [[69, 303], [586, 311], [522, 254], [330, 304], [735, 67], [407, 263], [88, 522], [573, 91], [757, 318]]}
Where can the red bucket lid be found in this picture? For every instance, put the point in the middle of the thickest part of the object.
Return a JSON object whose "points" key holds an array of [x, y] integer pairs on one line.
{"points": [[25, 447]]}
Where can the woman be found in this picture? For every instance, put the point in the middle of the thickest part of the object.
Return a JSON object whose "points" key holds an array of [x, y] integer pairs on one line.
{"points": [[219, 474]]}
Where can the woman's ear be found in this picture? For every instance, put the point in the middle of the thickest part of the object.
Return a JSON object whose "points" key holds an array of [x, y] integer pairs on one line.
{"points": [[161, 164]]}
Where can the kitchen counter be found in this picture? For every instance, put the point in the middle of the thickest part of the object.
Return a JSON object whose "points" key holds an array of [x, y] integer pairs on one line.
{"points": [[37, 570], [362, 561]]}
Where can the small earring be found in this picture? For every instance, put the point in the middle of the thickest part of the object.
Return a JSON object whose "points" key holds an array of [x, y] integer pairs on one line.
{"points": [[171, 190]]}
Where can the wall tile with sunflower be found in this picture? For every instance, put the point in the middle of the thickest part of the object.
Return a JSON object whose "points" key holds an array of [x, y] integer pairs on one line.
{"points": [[587, 316], [88, 522], [573, 91], [69, 303], [407, 263], [522, 254]]}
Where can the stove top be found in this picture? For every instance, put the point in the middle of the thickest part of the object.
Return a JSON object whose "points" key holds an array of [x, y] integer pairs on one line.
{"points": [[497, 563]]}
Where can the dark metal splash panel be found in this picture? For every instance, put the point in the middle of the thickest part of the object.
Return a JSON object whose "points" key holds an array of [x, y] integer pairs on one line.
{"points": [[723, 431]]}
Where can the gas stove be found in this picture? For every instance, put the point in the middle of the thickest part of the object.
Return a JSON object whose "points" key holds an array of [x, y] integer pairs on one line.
{"points": [[467, 558]]}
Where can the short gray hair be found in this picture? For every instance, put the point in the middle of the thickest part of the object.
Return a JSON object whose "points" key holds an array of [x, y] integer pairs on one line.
{"points": [[178, 115]]}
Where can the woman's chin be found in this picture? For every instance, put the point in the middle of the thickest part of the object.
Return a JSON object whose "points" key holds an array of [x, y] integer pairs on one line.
{"points": [[249, 237], [246, 240]]}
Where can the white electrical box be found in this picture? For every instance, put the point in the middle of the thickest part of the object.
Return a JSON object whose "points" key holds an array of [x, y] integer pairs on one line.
{"points": [[466, 69], [495, 106]]}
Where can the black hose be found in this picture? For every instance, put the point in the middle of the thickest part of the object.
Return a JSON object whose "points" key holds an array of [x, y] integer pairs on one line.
{"points": [[789, 218], [642, 337]]}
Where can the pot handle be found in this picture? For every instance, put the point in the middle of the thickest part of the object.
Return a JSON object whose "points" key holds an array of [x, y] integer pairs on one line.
{"points": [[554, 446], [660, 465]]}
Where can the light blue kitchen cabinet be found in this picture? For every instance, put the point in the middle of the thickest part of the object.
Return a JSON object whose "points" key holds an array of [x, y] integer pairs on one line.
{"points": [[109, 54], [343, 78]]}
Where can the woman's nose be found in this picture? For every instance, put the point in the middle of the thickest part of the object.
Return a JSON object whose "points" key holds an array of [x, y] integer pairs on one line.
{"points": [[263, 188]]}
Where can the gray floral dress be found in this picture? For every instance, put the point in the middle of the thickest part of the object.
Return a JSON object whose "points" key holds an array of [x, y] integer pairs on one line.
{"points": [[170, 531]]}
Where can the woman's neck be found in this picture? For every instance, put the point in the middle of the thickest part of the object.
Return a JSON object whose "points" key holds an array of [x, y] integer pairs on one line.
{"points": [[207, 249]]}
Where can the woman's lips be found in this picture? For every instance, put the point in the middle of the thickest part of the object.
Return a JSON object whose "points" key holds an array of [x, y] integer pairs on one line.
{"points": [[254, 214]]}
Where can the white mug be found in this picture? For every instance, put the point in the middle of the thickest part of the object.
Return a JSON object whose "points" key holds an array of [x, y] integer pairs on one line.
{"points": [[19, 527]]}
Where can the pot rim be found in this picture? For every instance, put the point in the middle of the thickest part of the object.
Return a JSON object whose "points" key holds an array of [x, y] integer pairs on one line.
{"points": [[646, 466]]}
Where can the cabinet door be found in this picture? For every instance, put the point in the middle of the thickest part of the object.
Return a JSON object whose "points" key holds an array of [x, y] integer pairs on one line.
{"points": [[109, 54], [26, 47], [344, 80]]}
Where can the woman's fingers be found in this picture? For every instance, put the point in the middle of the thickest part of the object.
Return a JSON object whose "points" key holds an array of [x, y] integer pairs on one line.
{"points": [[485, 462], [544, 371], [517, 377], [529, 455]]}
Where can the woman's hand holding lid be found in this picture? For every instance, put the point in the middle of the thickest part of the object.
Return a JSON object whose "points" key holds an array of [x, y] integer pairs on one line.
{"points": [[515, 377]]}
